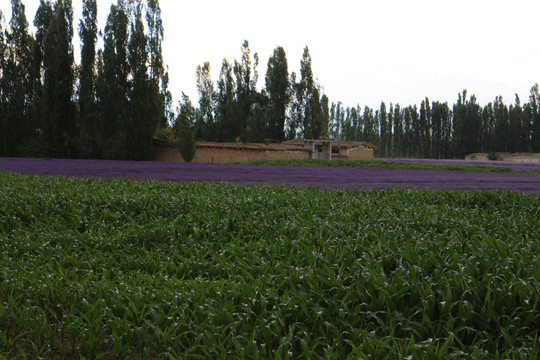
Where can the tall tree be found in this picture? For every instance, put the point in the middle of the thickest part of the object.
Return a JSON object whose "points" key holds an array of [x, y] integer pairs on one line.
{"points": [[37, 141], [206, 126], [487, 136], [425, 129], [278, 88], [87, 81], [4, 140], [154, 25], [59, 79], [534, 116], [158, 74], [246, 80], [515, 117], [257, 123], [325, 116], [353, 116], [42, 20], [295, 112], [437, 113], [501, 124], [408, 119], [398, 132], [473, 126], [308, 110], [112, 86], [467, 122], [145, 106], [185, 129], [458, 129], [370, 130], [390, 135], [17, 81], [384, 130]]}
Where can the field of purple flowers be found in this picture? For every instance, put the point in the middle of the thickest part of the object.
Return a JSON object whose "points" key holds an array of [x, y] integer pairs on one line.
{"points": [[323, 177]]}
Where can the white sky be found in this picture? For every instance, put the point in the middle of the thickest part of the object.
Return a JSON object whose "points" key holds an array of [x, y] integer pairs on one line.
{"points": [[363, 51]]}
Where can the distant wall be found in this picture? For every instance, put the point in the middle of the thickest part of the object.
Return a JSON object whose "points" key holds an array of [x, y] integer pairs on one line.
{"points": [[515, 157], [166, 153], [226, 153], [519, 157], [216, 155], [359, 153]]}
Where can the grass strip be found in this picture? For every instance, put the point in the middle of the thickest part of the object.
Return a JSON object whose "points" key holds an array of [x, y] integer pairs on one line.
{"points": [[380, 164]]}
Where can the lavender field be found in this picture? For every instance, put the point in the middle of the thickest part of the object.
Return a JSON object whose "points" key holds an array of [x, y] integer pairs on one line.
{"points": [[323, 177]]}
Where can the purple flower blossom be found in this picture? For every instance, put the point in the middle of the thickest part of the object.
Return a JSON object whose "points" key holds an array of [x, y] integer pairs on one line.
{"points": [[324, 177]]}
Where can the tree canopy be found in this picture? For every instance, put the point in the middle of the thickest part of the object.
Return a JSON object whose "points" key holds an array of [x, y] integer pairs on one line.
{"points": [[116, 100]]}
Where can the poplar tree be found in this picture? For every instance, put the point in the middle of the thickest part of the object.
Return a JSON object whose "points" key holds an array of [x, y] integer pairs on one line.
{"points": [[304, 95], [390, 135], [398, 132], [59, 79], [436, 129], [488, 129], [308, 116], [17, 84], [534, 114], [37, 140], [458, 129], [206, 126], [87, 81], [4, 141], [145, 109], [325, 116], [112, 86], [384, 130], [501, 125], [257, 123], [515, 115], [158, 74], [409, 116], [424, 135], [278, 88], [369, 124], [246, 80], [185, 129]]}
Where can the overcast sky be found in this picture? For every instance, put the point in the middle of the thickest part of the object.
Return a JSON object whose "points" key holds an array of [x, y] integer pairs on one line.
{"points": [[363, 52]]}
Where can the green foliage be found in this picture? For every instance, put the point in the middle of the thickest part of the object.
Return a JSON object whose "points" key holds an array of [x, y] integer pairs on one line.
{"points": [[59, 112], [279, 91], [112, 86], [88, 142], [185, 130], [381, 164], [145, 103], [148, 269], [307, 119], [15, 81], [123, 97], [211, 105]]}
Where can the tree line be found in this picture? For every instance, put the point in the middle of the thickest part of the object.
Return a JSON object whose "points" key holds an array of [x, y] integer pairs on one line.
{"points": [[436, 130], [108, 106], [291, 106], [233, 109], [116, 100]]}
